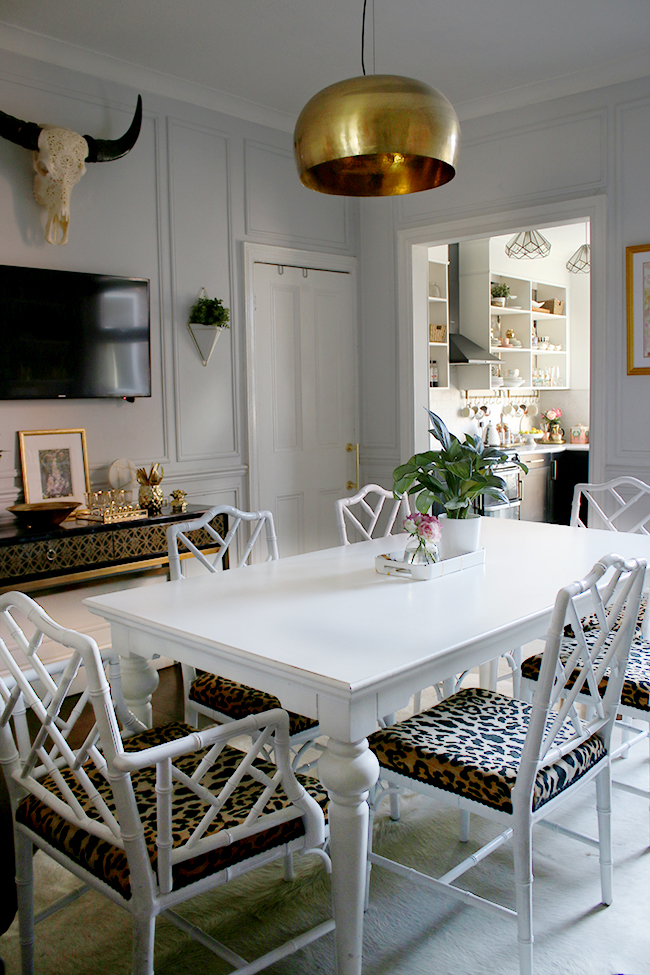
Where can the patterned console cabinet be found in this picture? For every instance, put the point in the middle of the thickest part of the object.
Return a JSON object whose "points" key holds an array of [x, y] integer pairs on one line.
{"points": [[81, 550]]}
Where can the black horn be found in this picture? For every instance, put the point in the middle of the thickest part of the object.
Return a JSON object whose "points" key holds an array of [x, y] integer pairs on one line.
{"points": [[24, 134], [105, 150]]}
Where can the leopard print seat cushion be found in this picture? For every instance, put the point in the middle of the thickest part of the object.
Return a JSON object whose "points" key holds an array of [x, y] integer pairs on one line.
{"points": [[237, 701], [110, 863], [591, 622], [636, 686], [470, 744]]}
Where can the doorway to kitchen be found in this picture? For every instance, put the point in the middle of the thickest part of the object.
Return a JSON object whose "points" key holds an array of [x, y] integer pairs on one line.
{"points": [[529, 322], [559, 375]]}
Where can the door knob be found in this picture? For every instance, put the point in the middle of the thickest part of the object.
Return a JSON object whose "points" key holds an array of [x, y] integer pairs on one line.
{"points": [[353, 448]]}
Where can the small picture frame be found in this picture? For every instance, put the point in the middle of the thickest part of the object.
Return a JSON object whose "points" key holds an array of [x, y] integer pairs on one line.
{"points": [[637, 272], [54, 465]]}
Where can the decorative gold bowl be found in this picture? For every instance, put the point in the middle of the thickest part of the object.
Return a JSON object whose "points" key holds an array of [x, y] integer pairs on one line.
{"points": [[43, 514]]}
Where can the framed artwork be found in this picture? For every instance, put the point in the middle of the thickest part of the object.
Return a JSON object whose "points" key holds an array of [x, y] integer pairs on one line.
{"points": [[54, 465], [637, 271]]}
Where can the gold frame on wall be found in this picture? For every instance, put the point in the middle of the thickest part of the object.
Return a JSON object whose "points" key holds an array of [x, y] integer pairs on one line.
{"points": [[54, 465], [637, 279]]}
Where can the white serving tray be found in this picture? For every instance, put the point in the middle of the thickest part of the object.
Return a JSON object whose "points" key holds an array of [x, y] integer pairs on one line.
{"points": [[392, 565]]}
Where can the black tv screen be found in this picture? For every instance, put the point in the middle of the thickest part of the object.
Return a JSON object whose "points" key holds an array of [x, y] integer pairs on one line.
{"points": [[73, 335]]}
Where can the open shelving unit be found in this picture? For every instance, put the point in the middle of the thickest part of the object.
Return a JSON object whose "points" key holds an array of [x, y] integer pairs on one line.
{"points": [[439, 312], [525, 338]]}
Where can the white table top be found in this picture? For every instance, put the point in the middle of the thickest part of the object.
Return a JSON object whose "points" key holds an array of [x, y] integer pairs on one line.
{"points": [[336, 640]]}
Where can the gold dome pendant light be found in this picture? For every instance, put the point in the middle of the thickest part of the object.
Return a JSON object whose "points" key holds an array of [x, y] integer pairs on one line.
{"points": [[376, 135]]}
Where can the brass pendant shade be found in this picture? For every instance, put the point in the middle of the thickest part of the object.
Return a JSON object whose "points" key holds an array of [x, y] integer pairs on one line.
{"points": [[376, 135]]}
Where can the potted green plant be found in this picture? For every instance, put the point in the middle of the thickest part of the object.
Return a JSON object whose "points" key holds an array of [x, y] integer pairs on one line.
{"points": [[454, 476], [208, 319], [209, 311], [499, 293]]}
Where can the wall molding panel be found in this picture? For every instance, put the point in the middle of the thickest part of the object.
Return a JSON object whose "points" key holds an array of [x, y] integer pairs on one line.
{"points": [[272, 182]]}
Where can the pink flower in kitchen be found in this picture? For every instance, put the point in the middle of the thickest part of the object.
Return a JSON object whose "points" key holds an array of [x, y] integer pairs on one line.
{"points": [[552, 415], [426, 527]]}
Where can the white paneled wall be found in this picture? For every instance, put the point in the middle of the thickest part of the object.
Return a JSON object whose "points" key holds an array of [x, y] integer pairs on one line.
{"points": [[175, 210], [555, 162]]}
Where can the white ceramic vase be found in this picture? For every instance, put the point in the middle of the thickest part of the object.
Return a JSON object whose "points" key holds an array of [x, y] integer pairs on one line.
{"points": [[459, 535]]}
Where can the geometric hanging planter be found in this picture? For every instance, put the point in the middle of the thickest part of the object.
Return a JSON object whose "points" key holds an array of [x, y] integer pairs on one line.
{"points": [[205, 338]]}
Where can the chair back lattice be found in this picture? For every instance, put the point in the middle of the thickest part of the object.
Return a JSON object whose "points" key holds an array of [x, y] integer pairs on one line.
{"points": [[622, 504], [369, 522], [177, 535], [93, 787], [612, 594]]}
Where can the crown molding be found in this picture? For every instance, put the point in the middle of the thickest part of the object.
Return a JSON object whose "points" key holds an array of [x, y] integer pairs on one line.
{"points": [[598, 76], [30, 44]]}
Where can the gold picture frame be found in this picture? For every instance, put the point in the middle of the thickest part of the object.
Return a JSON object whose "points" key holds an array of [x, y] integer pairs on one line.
{"points": [[637, 278], [54, 465]]}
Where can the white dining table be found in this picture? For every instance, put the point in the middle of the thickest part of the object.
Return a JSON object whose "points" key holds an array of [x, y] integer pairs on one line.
{"points": [[337, 641]]}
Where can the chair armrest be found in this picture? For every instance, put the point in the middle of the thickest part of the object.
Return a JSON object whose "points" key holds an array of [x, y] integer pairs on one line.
{"points": [[277, 717]]}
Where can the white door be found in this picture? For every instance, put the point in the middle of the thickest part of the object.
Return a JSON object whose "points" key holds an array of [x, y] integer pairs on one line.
{"points": [[304, 400]]}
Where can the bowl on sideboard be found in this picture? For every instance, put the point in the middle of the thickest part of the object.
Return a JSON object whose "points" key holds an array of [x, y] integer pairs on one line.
{"points": [[43, 514]]}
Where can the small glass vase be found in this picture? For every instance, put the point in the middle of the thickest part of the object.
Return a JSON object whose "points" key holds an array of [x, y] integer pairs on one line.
{"points": [[420, 551]]}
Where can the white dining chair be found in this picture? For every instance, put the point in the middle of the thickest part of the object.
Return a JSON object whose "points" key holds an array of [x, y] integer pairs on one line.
{"points": [[517, 763], [622, 504], [148, 818], [370, 520], [211, 695]]}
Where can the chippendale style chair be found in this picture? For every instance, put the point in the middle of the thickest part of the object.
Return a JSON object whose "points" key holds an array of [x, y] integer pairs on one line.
{"points": [[209, 694], [622, 504], [369, 513], [147, 818], [516, 763]]}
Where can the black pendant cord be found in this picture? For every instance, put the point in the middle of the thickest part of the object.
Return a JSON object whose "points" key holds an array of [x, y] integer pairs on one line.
{"points": [[363, 37]]}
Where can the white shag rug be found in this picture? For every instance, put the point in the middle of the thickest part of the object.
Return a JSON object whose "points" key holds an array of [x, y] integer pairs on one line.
{"points": [[408, 931]]}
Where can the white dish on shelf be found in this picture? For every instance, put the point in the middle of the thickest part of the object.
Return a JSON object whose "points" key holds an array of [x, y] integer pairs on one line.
{"points": [[497, 381], [513, 383]]}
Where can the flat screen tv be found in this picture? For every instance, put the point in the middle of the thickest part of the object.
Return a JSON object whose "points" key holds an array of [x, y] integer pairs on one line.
{"points": [[73, 335]]}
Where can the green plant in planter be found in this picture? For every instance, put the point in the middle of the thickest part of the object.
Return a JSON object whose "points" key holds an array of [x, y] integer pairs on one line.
{"points": [[500, 290], [455, 475], [210, 311]]}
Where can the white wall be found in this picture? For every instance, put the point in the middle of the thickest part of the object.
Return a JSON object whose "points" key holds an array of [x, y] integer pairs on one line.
{"points": [[559, 161], [175, 210]]}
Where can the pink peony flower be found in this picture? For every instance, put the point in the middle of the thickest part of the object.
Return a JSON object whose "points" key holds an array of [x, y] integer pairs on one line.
{"points": [[423, 526], [553, 414]]}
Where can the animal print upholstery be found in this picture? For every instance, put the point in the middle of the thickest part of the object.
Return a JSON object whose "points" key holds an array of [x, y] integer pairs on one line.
{"points": [[636, 686], [591, 622], [236, 700], [110, 863], [470, 744]]}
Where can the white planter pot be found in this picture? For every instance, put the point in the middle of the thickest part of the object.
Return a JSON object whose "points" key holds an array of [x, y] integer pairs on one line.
{"points": [[459, 535]]}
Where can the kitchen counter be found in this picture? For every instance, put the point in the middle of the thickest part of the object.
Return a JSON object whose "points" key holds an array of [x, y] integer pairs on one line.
{"points": [[549, 448]]}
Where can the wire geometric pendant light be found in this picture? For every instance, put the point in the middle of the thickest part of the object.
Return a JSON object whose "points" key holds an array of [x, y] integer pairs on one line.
{"points": [[376, 135], [528, 243], [580, 262]]}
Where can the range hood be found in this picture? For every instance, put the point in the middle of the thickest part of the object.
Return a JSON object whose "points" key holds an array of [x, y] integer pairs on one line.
{"points": [[464, 352]]}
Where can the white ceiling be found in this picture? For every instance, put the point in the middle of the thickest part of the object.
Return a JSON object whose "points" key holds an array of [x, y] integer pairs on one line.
{"points": [[484, 55]]}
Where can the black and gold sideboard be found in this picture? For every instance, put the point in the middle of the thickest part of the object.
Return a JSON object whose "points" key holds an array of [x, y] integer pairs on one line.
{"points": [[79, 551]]}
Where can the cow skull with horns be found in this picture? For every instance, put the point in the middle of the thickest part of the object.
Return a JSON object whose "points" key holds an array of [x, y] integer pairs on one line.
{"points": [[60, 158]]}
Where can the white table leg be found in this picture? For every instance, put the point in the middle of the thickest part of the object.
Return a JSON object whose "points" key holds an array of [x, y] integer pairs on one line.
{"points": [[348, 771], [139, 681]]}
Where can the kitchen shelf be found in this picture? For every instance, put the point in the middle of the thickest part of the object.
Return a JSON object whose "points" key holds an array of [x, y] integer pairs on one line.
{"points": [[439, 315], [481, 320]]}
